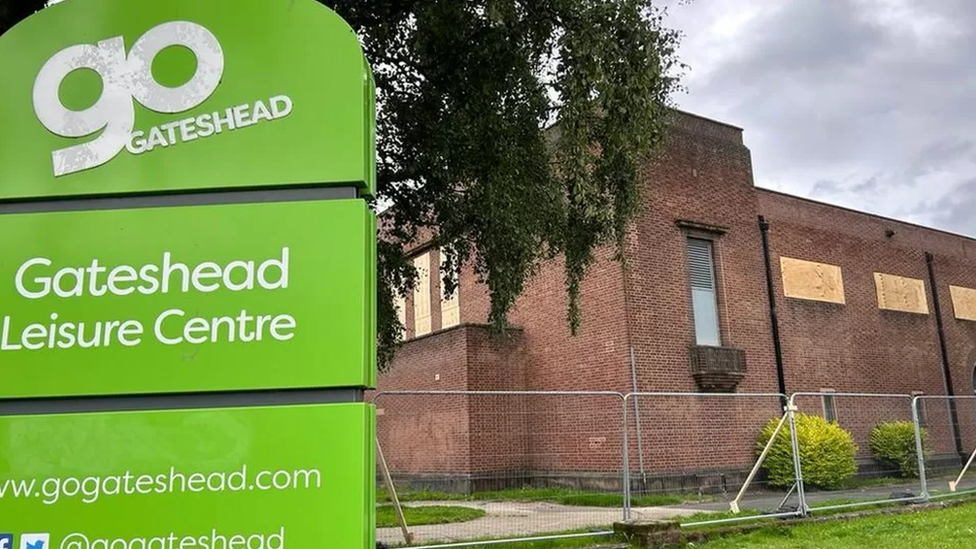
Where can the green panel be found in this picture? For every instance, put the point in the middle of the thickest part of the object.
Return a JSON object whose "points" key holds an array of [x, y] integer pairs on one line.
{"points": [[270, 48], [371, 293], [304, 473], [327, 247]]}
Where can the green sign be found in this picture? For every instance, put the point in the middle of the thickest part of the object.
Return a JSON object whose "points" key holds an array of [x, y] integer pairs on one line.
{"points": [[248, 478], [137, 296], [196, 298], [180, 95]]}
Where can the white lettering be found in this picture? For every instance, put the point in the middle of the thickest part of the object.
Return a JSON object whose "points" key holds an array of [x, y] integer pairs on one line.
{"points": [[168, 271], [170, 130], [122, 273], [280, 106], [281, 265], [247, 283], [208, 124], [188, 132], [124, 78], [283, 322], [206, 271], [44, 282], [39, 277], [72, 291], [241, 116], [137, 142], [227, 120], [145, 276], [128, 330], [5, 344], [67, 335], [156, 138], [93, 271], [261, 112], [158, 327]]}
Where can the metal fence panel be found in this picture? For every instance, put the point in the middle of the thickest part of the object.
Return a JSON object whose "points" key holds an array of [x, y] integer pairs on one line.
{"points": [[531, 464], [697, 451], [947, 433], [509, 466], [878, 481]]}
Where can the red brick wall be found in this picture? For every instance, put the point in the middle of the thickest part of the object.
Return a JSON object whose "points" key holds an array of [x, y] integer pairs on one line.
{"points": [[449, 434], [701, 178], [418, 434], [499, 427], [596, 357], [857, 347], [704, 176]]}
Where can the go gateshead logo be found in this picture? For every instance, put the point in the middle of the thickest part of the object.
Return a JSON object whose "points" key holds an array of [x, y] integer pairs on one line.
{"points": [[127, 79]]}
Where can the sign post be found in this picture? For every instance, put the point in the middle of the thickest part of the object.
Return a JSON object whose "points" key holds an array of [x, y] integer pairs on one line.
{"points": [[187, 278]]}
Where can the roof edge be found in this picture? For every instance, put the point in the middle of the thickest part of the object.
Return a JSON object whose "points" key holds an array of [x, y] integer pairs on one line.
{"points": [[864, 213]]}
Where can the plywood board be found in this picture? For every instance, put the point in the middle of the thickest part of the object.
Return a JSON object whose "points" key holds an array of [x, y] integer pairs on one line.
{"points": [[811, 280], [899, 293], [963, 302], [450, 307], [421, 296], [401, 307]]}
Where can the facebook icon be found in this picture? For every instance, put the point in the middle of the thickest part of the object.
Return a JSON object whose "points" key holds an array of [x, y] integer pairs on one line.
{"points": [[6, 541]]}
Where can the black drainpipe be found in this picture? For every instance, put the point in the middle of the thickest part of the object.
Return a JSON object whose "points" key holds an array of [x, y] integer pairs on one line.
{"points": [[946, 372], [770, 290]]}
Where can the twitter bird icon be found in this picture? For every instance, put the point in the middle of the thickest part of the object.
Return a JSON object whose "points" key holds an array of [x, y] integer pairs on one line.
{"points": [[35, 541]]}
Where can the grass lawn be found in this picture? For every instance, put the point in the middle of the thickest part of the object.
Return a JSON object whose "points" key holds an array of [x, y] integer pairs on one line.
{"points": [[932, 529], [719, 515], [418, 516], [563, 496]]}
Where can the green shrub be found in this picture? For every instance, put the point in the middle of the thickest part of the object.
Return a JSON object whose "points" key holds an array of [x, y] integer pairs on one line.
{"points": [[893, 446], [826, 452]]}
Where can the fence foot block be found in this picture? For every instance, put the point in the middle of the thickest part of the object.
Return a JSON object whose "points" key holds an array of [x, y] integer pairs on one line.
{"points": [[649, 534]]}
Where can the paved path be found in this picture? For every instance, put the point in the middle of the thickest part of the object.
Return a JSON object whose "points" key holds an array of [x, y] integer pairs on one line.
{"points": [[515, 518]]}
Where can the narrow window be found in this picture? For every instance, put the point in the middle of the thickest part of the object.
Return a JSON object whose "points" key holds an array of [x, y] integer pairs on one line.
{"points": [[704, 301], [830, 409], [421, 296], [923, 421], [450, 305], [401, 306]]}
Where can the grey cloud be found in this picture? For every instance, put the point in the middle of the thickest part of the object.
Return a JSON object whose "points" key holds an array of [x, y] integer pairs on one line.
{"points": [[863, 102], [867, 187], [956, 210], [825, 187], [940, 154]]}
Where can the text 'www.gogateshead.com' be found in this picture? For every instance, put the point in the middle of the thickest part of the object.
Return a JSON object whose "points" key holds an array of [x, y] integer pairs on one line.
{"points": [[90, 489]]}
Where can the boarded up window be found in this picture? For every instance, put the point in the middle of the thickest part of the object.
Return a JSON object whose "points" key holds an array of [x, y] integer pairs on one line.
{"points": [[450, 305], [401, 306], [812, 281], [899, 293], [963, 302], [421, 296]]}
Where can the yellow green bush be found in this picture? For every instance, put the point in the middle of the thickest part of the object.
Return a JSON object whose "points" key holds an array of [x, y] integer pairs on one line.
{"points": [[826, 452], [893, 446]]}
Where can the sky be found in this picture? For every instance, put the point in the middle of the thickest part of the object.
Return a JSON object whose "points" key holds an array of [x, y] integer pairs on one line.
{"points": [[868, 104]]}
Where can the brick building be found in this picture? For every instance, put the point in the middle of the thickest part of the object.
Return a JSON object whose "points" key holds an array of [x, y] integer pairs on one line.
{"points": [[862, 304]]}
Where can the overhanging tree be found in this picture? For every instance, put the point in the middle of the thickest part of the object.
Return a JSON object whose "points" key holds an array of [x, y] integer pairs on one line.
{"points": [[512, 131], [13, 11], [509, 132]]}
